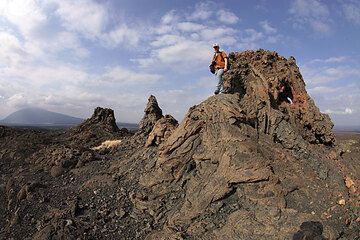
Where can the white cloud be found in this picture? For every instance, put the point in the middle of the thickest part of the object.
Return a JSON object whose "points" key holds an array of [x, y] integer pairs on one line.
{"points": [[251, 35], [312, 12], [332, 69], [170, 17], [83, 16], [250, 39], [227, 17], [346, 111], [26, 15], [179, 34], [352, 12], [334, 85], [127, 77], [322, 90], [173, 56], [121, 35], [317, 74], [219, 34], [58, 42], [273, 39], [267, 27], [203, 11], [330, 60], [309, 8], [320, 26], [28, 20], [73, 90], [177, 101], [190, 26], [91, 20], [166, 40], [11, 49]]}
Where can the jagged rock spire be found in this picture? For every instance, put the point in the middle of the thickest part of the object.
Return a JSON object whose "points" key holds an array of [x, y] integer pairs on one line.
{"points": [[152, 113]]}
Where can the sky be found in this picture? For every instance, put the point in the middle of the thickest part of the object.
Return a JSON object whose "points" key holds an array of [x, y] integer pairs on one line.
{"points": [[71, 56]]}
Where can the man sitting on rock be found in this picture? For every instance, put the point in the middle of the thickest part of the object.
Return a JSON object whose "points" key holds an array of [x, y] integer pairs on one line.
{"points": [[220, 60]]}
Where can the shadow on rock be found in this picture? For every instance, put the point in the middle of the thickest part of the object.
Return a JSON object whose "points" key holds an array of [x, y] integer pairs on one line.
{"points": [[310, 231]]}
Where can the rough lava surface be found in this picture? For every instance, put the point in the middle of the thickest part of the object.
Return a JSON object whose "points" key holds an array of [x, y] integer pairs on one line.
{"points": [[260, 162]]}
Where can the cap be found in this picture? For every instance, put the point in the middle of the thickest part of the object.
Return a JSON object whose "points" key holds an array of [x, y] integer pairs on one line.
{"points": [[215, 45]]}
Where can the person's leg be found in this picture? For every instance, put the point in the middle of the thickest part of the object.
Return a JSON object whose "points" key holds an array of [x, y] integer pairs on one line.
{"points": [[217, 90], [220, 85]]}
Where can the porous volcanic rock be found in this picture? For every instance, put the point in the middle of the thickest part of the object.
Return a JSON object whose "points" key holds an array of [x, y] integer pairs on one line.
{"points": [[152, 113], [273, 89]]}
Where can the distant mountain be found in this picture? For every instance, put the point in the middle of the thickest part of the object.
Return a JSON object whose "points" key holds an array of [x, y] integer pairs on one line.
{"points": [[343, 128], [39, 116], [129, 126]]}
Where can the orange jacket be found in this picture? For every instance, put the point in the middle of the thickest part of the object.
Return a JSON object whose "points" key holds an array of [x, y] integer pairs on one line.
{"points": [[219, 58]]}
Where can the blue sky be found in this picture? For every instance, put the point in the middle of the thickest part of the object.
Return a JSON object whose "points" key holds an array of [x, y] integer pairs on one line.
{"points": [[70, 56]]}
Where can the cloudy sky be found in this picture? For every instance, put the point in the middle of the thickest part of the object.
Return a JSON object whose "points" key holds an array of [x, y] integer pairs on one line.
{"points": [[70, 56]]}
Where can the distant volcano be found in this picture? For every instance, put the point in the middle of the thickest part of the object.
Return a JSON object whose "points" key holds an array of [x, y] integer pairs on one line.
{"points": [[39, 116]]}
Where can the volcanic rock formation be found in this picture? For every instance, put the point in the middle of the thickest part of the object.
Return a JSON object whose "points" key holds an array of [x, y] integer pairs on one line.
{"points": [[275, 85], [152, 113], [162, 130], [258, 158], [258, 163]]}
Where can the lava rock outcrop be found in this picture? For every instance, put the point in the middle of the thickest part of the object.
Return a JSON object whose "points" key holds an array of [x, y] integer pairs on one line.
{"points": [[247, 164], [258, 163], [273, 87]]}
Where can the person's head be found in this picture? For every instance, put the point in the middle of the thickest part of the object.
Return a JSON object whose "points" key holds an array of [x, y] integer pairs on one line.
{"points": [[216, 47]]}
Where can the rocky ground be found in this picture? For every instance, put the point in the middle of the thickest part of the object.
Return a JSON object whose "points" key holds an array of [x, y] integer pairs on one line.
{"points": [[249, 164], [349, 143]]}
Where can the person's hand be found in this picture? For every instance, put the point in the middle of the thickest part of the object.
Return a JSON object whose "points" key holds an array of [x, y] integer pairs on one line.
{"points": [[225, 69]]}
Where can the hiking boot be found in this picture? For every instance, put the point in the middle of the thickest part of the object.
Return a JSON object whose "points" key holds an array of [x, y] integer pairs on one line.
{"points": [[216, 92]]}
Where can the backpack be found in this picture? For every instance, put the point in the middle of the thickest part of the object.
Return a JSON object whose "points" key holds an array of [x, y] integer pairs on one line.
{"points": [[212, 67]]}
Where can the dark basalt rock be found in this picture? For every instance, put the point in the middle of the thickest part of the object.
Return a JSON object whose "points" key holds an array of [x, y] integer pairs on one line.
{"points": [[100, 127], [102, 118]]}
